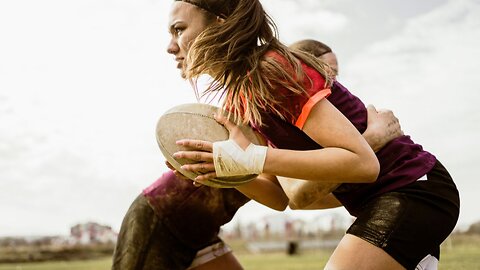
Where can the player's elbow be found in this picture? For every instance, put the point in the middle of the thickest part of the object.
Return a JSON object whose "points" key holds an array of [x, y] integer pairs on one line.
{"points": [[294, 206], [278, 206], [281, 205], [299, 200], [369, 168]]}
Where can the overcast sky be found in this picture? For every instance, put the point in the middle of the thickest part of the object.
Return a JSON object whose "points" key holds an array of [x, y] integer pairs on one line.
{"points": [[83, 82]]}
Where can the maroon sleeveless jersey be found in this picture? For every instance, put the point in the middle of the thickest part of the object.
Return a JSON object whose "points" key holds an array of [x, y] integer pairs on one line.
{"points": [[401, 161], [193, 214]]}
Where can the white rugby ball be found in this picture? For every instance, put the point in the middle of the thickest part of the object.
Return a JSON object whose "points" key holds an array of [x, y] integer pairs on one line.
{"points": [[195, 121]]}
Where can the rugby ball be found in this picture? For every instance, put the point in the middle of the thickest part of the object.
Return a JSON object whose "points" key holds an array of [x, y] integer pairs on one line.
{"points": [[196, 121]]}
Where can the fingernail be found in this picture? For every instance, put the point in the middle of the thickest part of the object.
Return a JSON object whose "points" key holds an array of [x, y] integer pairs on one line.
{"points": [[175, 155]]}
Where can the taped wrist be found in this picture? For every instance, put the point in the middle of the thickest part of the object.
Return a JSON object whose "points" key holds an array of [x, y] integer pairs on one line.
{"points": [[231, 160]]}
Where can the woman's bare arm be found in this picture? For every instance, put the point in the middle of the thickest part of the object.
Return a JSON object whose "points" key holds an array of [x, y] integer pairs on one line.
{"points": [[346, 156]]}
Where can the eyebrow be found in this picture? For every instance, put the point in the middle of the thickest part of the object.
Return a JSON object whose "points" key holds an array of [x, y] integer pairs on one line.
{"points": [[172, 26]]}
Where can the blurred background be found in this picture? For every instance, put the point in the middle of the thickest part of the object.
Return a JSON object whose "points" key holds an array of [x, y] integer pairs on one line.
{"points": [[83, 82]]}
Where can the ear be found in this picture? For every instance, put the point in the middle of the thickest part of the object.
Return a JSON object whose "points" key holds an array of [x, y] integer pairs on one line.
{"points": [[220, 19]]}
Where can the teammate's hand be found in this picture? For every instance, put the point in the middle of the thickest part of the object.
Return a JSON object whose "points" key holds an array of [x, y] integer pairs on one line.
{"points": [[382, 127]]}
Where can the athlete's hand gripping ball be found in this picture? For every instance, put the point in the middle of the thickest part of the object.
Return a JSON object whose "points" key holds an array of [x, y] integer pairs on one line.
{"points": [[233, 157]]}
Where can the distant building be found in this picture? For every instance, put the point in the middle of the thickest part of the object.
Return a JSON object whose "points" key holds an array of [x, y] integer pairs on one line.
{"points": [[92, 233]]}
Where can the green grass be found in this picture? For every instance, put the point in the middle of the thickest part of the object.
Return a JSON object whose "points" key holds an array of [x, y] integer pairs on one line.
{"points": [[280, 261], [100, 264], [455, 256], [461, 257], [464, 256]]}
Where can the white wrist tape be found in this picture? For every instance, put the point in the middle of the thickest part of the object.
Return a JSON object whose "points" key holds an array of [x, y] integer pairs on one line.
{"points": [[231, 160]]}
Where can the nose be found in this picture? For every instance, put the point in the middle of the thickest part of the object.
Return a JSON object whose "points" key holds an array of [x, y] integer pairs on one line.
{"points": [[172, 47]]}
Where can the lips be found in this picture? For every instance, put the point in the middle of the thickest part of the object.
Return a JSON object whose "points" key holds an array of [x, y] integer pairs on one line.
{"points": [[180, 62]]}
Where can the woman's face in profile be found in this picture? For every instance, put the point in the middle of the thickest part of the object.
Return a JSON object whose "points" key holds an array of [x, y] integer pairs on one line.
{"points": [[186, 22]]}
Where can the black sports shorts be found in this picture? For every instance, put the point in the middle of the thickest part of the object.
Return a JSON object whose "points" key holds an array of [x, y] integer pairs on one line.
{"points": [[411, 222]]}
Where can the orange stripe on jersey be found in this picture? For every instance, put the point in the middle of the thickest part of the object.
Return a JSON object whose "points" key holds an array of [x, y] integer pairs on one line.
{"points": [[309, 105]]}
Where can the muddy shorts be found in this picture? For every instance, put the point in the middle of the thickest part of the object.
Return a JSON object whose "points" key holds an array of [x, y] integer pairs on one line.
{"points": [[145, 243]]}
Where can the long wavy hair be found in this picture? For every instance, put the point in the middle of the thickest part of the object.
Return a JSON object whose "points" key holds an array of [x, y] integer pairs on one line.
{"points": [[233, 54]]}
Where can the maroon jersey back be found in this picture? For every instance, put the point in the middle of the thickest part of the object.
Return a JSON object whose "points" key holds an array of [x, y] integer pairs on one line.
{"points": [[193, 214]]}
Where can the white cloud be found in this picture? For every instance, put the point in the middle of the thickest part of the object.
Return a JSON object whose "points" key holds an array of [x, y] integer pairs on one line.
{"points": [[297, 21], [428, 75]]}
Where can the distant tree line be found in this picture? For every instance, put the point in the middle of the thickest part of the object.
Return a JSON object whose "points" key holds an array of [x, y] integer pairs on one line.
{"points": [[474, 228]]}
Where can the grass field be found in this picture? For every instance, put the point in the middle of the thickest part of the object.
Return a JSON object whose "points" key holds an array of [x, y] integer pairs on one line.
{"points": [[455, 256]]}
